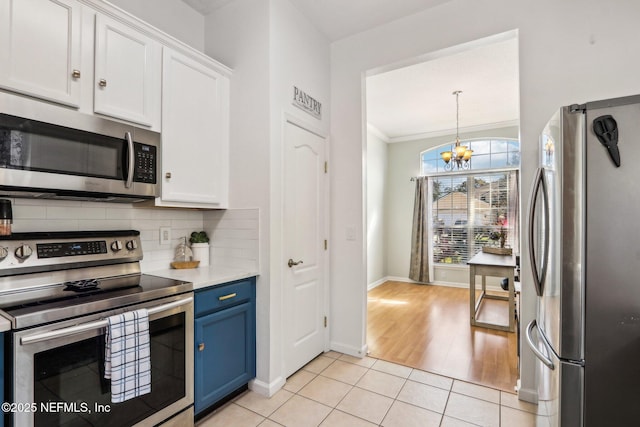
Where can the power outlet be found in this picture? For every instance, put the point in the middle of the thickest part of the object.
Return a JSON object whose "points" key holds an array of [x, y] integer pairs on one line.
{"points": [[165, 235]]}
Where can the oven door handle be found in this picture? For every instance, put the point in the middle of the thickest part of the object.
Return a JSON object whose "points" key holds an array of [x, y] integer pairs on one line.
{"points": [[58, 333]]}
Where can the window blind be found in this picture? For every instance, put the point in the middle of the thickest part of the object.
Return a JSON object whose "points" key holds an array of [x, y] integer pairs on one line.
{"points": [[467, 211]]}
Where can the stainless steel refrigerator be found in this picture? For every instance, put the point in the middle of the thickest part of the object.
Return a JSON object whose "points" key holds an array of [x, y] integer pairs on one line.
{"points": [[584, 244]]}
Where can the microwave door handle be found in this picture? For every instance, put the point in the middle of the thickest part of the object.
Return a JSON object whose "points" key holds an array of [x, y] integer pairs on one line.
{"points": [[538, 273], [89, 326], [130, 159], [543, 357]]}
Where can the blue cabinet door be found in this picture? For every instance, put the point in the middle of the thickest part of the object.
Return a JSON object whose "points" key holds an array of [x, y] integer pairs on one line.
{"points": [[224, 353]]}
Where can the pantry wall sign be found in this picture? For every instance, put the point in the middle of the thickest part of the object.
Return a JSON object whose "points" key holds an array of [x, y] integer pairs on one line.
{"points": [[308, 103]]}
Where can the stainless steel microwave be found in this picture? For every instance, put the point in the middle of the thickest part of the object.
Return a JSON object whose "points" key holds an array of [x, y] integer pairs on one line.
{"points": [[104, 160]]}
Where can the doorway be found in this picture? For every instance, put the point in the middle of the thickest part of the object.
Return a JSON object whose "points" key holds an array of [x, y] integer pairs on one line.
{"points": [[410, 108]]}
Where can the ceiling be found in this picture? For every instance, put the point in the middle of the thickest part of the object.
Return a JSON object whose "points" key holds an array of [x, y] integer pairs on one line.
{"points": [[338, 19], [416, 101]]}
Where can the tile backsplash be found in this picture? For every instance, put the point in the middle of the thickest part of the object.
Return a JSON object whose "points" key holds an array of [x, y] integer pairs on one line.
{"points": [[233, 233], [234, 237]]}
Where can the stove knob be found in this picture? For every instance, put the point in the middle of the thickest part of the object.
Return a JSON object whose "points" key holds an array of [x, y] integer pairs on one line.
{"points": [[132, 245], [116, 246], [3, 252], [23, 252]]}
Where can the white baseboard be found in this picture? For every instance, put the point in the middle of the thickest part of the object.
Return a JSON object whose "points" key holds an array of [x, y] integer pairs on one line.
{"points": [[350, 350], [266, 389], [440, 283], [376, 283]]}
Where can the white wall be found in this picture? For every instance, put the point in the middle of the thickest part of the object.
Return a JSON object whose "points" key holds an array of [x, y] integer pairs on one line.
{"points": [[238, 36], [377, 195], [570, 51], [173, 17], [270, 46], [404, 163]]}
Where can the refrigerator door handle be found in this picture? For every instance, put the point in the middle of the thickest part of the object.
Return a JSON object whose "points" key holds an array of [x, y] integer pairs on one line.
{"points": [[543, 357], [539, 272]]}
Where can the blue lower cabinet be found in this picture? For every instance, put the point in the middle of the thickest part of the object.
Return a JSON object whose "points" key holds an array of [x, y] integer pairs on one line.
{"points": [[225, 341]]}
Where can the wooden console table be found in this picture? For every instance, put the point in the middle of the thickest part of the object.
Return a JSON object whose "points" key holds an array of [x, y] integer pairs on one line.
{"points": [[484, 264]]}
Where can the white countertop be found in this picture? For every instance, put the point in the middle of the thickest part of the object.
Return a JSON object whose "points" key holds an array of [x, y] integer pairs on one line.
{"points": [[202, 277]]}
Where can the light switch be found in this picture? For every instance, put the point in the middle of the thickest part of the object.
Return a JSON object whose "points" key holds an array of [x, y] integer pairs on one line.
{"points": [[351, 232]]}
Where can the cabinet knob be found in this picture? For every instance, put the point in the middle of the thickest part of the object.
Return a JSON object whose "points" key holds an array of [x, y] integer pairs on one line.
{"points": [[201, 346], [75, 74], [102, 83], [167, 175]]}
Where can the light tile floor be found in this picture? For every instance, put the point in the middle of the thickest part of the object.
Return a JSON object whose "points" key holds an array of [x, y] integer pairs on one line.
{"points": [[338, 390]]}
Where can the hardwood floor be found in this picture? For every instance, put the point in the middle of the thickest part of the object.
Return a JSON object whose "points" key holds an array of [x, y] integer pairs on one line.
{"points": [[427, 327]]}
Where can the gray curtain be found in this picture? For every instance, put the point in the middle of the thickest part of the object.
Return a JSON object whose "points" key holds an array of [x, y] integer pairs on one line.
{"points": [[419, 268]]}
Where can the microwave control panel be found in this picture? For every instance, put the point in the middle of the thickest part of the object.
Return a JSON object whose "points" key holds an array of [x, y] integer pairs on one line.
{"points": [[146, 160]]}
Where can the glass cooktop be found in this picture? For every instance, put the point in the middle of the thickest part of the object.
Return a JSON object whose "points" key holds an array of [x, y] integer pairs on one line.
{"points": [[30, 307]]}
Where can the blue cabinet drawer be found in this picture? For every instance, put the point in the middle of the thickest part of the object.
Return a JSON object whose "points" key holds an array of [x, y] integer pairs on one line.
{"points": [[219, 297]]}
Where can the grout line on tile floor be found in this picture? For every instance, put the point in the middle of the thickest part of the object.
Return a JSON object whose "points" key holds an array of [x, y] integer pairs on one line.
{"points": [[368, 367]]}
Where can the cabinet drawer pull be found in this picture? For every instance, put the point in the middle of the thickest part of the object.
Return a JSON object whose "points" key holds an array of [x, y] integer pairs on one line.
{"points": [[201, 346], [75, 74], [225, 297], [102, 83]]}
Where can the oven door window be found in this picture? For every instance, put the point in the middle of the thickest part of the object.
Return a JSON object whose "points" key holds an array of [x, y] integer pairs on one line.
{"points": [[74, 376]]}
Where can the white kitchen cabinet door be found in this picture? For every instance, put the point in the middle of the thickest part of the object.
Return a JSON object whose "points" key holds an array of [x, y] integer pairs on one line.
{"points": [[195, 134], [40, 49], [127, 74]]}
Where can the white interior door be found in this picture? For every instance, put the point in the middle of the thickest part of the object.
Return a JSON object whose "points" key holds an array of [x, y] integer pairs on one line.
{"points": [[303, 247]]}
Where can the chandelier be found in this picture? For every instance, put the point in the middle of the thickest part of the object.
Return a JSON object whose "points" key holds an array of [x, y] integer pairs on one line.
{"points": [[460, 154]]}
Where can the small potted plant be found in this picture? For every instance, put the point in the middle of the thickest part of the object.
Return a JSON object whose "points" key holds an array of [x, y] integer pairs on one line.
{"points": [[200, 247]]}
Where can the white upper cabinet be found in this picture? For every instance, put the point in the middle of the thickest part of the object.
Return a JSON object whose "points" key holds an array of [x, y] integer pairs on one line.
{"points": [[195, 134], [40, 49], [46, 53], [127, 73], [87, 57]]}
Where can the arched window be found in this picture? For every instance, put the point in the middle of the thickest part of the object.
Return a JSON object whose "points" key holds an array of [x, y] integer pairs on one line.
{"points": [[470, 206], [493, 153]]}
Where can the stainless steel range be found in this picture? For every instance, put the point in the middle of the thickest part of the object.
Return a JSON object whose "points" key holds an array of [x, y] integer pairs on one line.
{"points": [[58, 289]]}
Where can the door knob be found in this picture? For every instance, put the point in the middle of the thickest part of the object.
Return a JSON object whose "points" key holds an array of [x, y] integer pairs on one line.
{"points": [[102, 83], [291, 262], [201, 346]]}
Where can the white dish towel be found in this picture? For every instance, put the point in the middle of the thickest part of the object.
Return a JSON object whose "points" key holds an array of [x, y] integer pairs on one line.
{"points": [[128, 355]]}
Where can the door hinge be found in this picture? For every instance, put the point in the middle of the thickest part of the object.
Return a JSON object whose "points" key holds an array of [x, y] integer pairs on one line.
{"points": [[325, 244], [326, 167], [325, 321]]}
